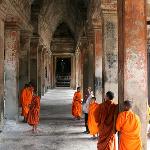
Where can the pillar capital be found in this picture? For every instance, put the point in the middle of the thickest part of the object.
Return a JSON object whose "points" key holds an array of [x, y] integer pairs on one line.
{"points": [[13, 23], [109, 8], [77, 52]]}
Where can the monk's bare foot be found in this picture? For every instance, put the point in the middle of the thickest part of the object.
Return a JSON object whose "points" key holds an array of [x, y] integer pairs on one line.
{"points": [[29, 131], [78, 118]]}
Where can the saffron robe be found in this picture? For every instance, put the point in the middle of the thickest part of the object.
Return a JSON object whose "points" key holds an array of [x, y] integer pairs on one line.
{"points": [[26, 98], [34, 112], [106, 123], [129, 126], [76, 105], [92, 124]]}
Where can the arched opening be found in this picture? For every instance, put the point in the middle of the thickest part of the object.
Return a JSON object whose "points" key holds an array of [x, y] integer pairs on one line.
{"points": [[63, 48], [63, 72]]}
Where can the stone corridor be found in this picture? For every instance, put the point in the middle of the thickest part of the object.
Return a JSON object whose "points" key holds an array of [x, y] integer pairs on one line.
{"points": [[58, 130]]}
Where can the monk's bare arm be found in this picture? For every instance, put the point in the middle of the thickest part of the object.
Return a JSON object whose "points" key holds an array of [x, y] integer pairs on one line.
{"points": [[115, 117]]}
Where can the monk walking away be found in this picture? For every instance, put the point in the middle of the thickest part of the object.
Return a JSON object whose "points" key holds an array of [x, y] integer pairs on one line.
{"points": [[107, 113], [77, 105], [34, 112], [25, 98], [92, 124], [129, 126]]}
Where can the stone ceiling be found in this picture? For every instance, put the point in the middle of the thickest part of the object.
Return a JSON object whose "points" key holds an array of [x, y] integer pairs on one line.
{"points": [[54, 12]]}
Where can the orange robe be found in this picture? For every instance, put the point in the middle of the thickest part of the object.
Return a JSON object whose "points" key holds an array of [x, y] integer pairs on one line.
{"points": [[129, 125], [92, 124], [106, 118], [34, 112], [26, 98], [76, 105]]}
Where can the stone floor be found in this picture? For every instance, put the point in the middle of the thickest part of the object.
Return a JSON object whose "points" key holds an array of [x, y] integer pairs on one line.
{"points": [[58, 130]]}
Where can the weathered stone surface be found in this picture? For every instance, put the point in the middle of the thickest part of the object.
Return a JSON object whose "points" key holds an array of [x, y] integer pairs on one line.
{"points": [[133, 58], [40, 49], [1, 73], [12, 46], [98, 64], [24, 53], [34, 61], [110, 48]]}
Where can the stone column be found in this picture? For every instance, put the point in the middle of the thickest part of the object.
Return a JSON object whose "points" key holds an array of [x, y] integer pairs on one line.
{"points": [[78, 65], [148, 48], [23, 59], [91, 59], [40, 48], [42, 72], [46, 71], [98, 63], [50, 69], [12, 47], [33, 61], [73, 73], [85, 66], [133, 58], [110, 48], [1, 71]]}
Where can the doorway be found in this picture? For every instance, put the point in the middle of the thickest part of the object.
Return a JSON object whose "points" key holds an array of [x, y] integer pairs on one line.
{"points": [[63, 72]]}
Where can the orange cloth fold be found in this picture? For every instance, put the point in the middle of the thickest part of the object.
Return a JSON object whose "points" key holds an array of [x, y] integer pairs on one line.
{"points": [[92, 124], [129, 125], [34, 112], [76, 105], [26, 98], [106, 118]]}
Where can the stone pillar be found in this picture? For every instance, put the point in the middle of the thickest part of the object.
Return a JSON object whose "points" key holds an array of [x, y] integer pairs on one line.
{"points": [[42, 72], [40, 48], [73, 72], [98, 63], [33, 61], [1, 71], [46, 71], [133, 58], [148, 48], [78, 67], [85, 66], [12, 47], [23, 59], [110, 48], [50, 69], [90, 62]]}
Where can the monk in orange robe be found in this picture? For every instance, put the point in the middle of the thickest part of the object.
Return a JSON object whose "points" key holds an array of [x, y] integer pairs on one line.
{"points": [[31, 87], [26, 98], [92, 124], [76, 104], [107, 114], [129, 126], [25, 86], [34, 112]]}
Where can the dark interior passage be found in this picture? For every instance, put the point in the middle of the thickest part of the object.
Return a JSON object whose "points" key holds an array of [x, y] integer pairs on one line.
{"points": [[63, 72]]}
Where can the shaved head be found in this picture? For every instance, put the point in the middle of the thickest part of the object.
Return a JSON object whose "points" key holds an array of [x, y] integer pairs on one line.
{"points": [[127, 105]]}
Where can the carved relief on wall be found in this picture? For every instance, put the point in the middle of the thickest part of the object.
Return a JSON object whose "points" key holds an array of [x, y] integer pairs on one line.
{"points": [[11, 47]]}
